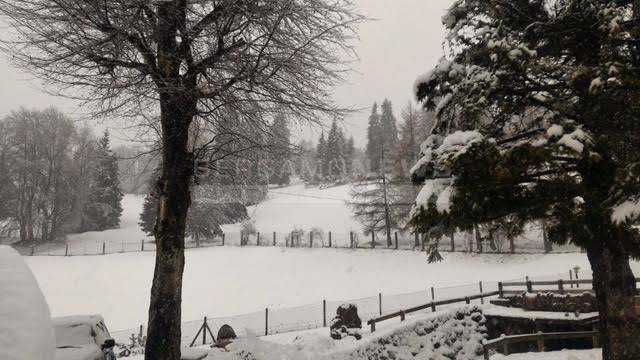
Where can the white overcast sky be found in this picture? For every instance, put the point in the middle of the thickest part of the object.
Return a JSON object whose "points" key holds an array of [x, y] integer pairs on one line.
{"points": [[404, 41]]}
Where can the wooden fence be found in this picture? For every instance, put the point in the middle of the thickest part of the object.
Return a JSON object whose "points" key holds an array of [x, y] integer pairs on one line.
{"points": [[432, 305], [528, 286], [503, 342]]}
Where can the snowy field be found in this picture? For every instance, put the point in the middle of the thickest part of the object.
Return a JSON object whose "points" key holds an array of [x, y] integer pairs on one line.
{"points": [[228, 281]]}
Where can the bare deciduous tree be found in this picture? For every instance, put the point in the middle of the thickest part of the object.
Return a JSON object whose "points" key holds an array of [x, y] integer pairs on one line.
{"points": [[189, 61]]}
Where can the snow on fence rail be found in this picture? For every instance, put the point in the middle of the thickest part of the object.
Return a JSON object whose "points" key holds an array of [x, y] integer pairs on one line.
{"points": [[318, 315], [314, 238]]}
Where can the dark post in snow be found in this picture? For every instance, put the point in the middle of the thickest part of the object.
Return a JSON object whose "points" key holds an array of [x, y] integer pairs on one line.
{"points": [[266, 321], [453, 242], [324, 313], [481, 292], [380, 303], [329, 238], [258, 239], [274, 238], [396, 239], [373, 240]]}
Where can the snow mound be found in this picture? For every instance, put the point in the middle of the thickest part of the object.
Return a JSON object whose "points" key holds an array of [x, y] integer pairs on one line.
{"points": [[456, 334], [25, 321]]}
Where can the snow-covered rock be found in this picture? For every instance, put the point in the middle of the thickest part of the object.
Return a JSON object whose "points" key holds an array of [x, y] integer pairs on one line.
{"points": [[25, 322]]}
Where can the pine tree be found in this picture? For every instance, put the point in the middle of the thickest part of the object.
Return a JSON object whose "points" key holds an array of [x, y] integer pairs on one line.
{"points": [[105, 198], [321, 156], [374, 140], [206, 215], [389, 137], [335, 156], [280, 166], [409, 143], [350, 154], [538, 120]]}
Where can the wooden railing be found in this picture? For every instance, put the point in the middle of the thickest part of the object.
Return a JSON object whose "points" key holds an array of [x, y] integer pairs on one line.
{"points": [[529, 286], [563, 286], [432, 305], [503, 342]]}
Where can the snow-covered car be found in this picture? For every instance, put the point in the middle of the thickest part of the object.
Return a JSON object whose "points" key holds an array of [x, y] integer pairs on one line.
{"points": [[25, 321], [80, 337]]}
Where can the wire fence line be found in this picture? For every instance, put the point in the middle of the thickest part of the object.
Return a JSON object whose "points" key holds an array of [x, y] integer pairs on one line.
{"points": [[529, 243], [272, 321]]}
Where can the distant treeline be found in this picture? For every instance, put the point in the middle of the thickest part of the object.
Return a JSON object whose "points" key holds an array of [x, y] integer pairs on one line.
{"points": [[55, 178]]}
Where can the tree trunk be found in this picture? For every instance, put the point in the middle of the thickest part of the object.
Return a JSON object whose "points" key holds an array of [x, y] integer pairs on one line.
{"points": [[164, 331], [615, 287]]}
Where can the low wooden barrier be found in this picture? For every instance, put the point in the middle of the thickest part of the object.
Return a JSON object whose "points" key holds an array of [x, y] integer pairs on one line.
{"points": [[539, 338], [432, 305]]}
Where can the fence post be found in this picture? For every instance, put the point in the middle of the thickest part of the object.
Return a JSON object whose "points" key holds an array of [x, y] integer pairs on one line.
{"points": [[204, 331], [324, 313], [330, 245], [540, 341], [373, 326], [571, 278], [433, 293], [512, 245], [561, 286], [373, 240], [505, 346], [104, 248], [380, 303], [485, 350], [453, 242], [351, 243], [66, 250], [266, 321], [223, 235], [500, 290], [142, 245], [595, 340], [396, 239], [482, 298], [258, 239], [310, 239], [467, 300], [401, 315], [274, 238], [529, 285]]}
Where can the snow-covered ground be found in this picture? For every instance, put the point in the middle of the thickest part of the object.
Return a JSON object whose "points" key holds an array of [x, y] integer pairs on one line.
{"points": [[227, 281]]}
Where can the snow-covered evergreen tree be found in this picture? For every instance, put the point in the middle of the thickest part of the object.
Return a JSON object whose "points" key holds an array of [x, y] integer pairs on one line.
{"points": [[280, 152], [374, 140], [389, 136], [538, 120], [104, 207], [321, 155], [208, 212], [335, 154], [350, 154]]}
